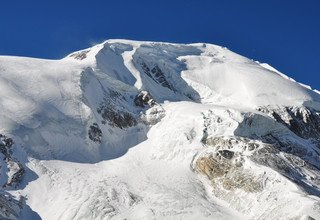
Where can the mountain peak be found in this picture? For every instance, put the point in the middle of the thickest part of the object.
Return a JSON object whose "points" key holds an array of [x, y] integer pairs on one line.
{"points": [[153, 130], [215, 73]]}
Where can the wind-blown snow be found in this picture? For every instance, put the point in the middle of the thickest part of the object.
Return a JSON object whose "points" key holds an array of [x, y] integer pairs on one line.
{"points": [[92, 153]]}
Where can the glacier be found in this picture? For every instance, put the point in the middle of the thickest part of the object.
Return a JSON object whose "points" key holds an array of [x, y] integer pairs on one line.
{"points": [[153, 130]]}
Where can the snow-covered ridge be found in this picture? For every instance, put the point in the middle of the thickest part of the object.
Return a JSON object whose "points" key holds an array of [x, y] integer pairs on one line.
{"points": [[154, 130], [236, 78]]}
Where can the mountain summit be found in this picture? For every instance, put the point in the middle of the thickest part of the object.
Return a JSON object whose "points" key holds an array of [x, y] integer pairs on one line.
{"points": [[152, 130]]}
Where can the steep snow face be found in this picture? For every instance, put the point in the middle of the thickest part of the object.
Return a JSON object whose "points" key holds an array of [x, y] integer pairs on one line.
{"points": [[149, 130], [232, 79], [202, 72]]}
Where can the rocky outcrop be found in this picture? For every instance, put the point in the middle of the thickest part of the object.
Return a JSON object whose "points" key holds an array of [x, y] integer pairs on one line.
{"points": [[227, 175], [80, 55], [144, 99], [12, 175], [114, 113], [157, 75], [10, 207], [259, 156], [278, 149], [120, 119], [15, 170], [303, 121], [95, 133], [6, 145], [224, 165], [153, 115]]}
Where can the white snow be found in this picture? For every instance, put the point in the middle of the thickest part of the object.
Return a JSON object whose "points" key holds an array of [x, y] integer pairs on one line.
{"points": [[144, 171]]}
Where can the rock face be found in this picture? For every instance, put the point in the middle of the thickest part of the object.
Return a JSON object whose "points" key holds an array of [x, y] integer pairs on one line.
{"points": [[120, 119], [144, 99], [114, 113], [260, 140], [231, 176], [11, 174], [157, 75], [9, 207], [80, 55], [225, 165], [15, 170], [303, 121], [95, 133]]}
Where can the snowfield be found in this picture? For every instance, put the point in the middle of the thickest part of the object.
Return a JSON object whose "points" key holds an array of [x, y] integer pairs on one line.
{"points": [[150, 130]]}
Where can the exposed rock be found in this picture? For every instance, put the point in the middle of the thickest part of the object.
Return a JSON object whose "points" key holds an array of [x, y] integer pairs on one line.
{"points": [[211, 167], [157, 75], [15, 169], [224, 166], [95, 133], [153, 115], [226, 143], [80, 55], [226, 154], [204, 138], [160, 77], [113, 111], [272, 147], [144, 99], [10, 207], [16, 172], [6, 145], [120, 119], [303, 121], [228, 174]]}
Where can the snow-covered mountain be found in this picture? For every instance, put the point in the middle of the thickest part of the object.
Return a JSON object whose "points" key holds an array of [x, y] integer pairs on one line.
{"points": [[148, 130]]}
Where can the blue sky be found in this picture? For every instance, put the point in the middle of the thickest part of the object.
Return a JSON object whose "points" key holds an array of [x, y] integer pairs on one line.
{"points": [[285, 34]]}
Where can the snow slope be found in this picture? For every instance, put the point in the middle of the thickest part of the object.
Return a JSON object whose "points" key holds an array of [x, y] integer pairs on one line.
{"points": [[150, 130]]}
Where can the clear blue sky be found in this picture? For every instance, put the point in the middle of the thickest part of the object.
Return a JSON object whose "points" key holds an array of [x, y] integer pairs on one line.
{"points": [[283, 33]]}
